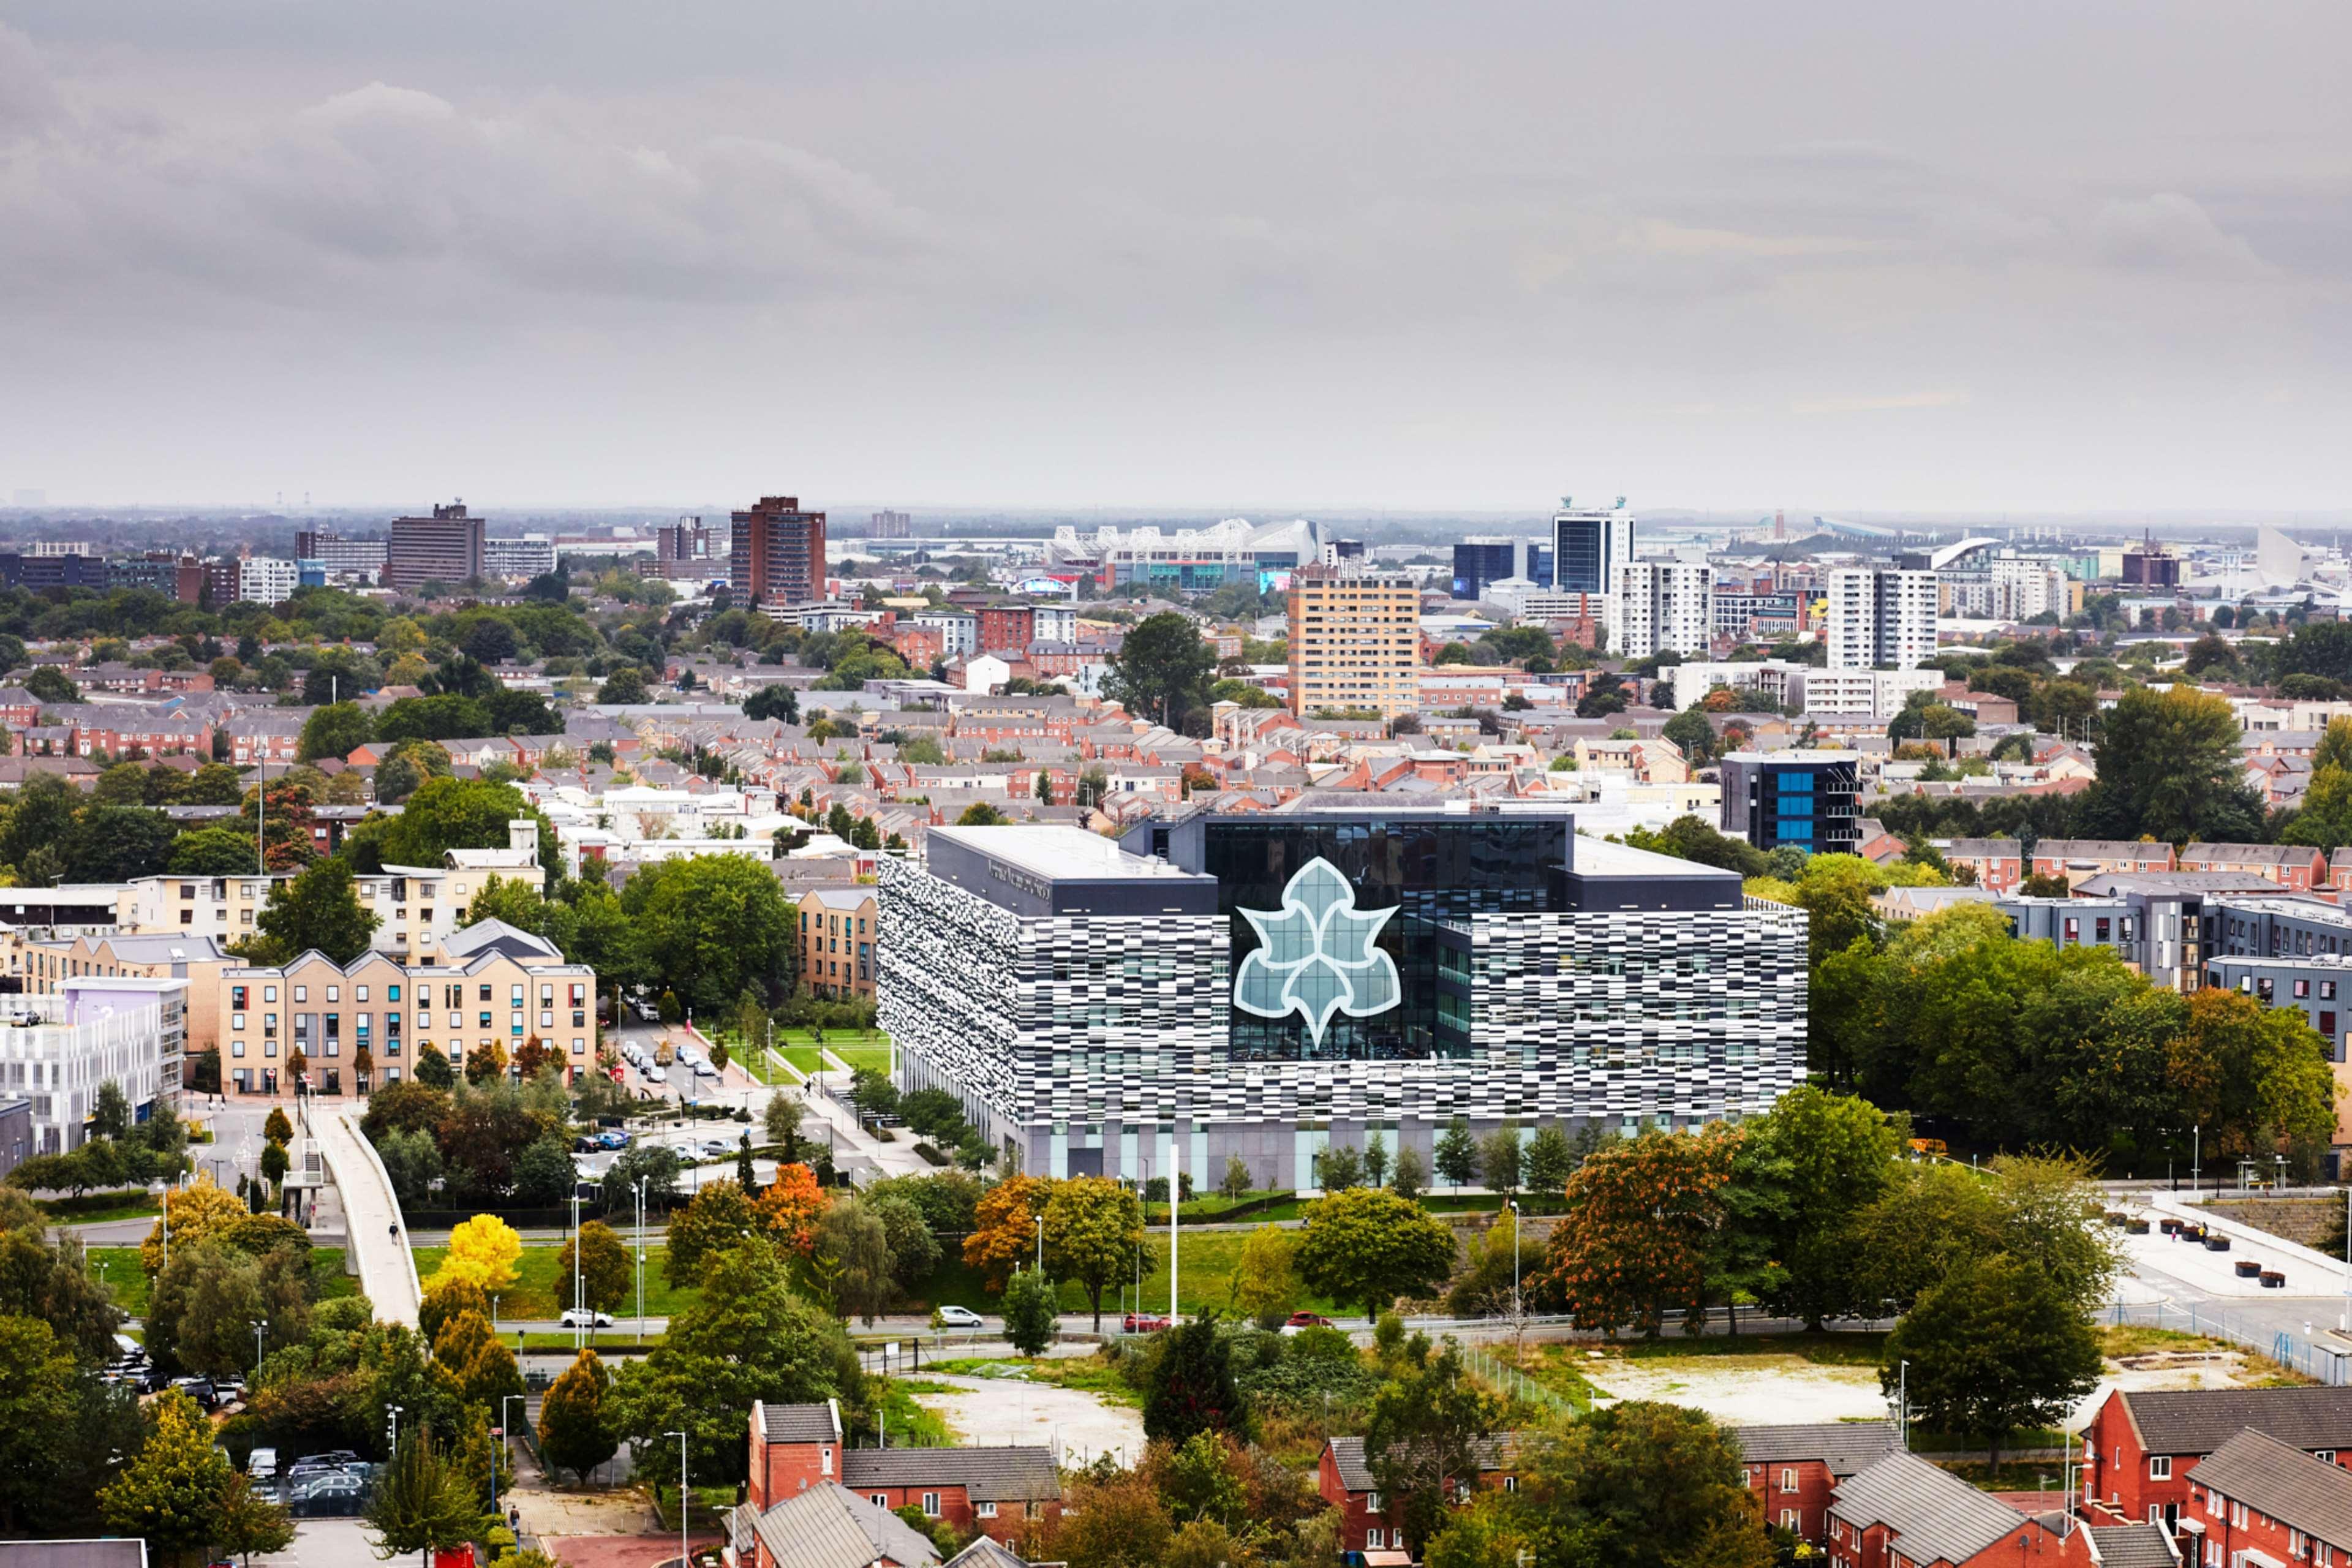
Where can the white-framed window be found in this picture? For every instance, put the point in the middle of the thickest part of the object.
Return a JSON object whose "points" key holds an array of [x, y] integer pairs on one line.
{"points": [[1372, 1502], [359, 991], [2324, 1456], [2160, 1467], [1788, 1518], [930, 1505], [881, 1500], [984, 1510], [1510, 1483], [301, 993], [334, 993], [1788, 1480], [825, 1460], [1374, 1540], [269, 994]]}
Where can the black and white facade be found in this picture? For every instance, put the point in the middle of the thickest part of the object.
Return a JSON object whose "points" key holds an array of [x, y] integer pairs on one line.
{"points": [[1270, 983]]}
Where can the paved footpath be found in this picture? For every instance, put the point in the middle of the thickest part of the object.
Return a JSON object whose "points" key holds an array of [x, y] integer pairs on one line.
{"points": [[387, 1270]]}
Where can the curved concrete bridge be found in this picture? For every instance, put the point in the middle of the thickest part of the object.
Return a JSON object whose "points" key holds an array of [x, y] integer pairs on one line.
{"points": [[378, 1236]]}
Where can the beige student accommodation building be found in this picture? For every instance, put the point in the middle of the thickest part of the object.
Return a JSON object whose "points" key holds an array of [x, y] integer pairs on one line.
{"points": [[364, 1023]]}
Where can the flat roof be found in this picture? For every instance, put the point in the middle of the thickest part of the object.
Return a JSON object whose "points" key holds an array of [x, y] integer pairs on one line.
{"points": [[1065, 853], [1593, 856]]}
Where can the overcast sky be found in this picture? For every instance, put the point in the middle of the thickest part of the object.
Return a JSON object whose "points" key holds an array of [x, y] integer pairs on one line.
{"points": [[2024, 257]]}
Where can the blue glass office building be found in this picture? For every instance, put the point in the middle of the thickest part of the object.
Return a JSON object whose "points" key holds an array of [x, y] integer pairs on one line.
{"points": [[1807, 799]]}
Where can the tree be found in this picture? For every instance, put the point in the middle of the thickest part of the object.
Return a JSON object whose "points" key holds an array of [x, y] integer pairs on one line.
{"points": [[982, 815], [1236, 1182], [38, 1378], [433, 1070], [780, 702], [50, 685], [483, 1252], [448, 814], [574, 1432], [335, 730], [1370, 1246], [748, 1337], [1499, 1158], [712, 927], [1189, 1388], [1031, 1312], [1798, 1178], [624, 686], [173, 1491], [604, 1268], [1691, 838], [1423, 1435], [1161, 670], [1549, 1160], [1457, 1153], [211, 852], [854, 1250], [2253, 1077], [420, 1504], [791, 1208], [1411, 1176], [319, 910], [445, 1301], [1996, 1347], [1341, 1167], [657, 1164], [1266, 1281], [713, 1222], [1639, 1230], [250, 1522], [544, 1173], [2170, 765], [1650, 1486], [914, 1251], [1004, 1231], [1114, 1522], [1094, 1235]]}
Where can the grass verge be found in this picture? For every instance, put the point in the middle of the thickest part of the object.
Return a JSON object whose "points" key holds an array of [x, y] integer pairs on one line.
{"points": [[96, 1208], [541, 1288]]}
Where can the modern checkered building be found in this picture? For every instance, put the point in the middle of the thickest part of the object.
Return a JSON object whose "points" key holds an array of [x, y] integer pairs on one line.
{"points": [[1114, 1009]]}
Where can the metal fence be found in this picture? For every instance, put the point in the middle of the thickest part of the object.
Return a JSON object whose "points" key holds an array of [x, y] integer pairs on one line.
{"points": [[2307, 1353], [1513, 1382]]}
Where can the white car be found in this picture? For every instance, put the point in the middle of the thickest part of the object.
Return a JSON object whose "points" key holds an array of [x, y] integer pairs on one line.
{"points": [[717, 1149], [704, 1069], [582, 1318], [961, 1318]]}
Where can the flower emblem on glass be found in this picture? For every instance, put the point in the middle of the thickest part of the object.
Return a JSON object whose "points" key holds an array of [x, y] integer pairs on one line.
{"points": [[1317, 955]]}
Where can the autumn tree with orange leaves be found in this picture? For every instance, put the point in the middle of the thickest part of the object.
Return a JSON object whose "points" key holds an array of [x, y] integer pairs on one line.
{"points": [[791, 1206], [1639, 1234], [1004, 1228]]}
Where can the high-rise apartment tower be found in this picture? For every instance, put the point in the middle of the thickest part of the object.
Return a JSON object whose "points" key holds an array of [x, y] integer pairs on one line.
{"points": [[778, 554], [1355, 642]]}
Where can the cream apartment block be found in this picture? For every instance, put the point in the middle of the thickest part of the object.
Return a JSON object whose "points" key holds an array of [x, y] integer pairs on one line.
{"points": [[1355, 642], [362, 1025], [416, 907]]}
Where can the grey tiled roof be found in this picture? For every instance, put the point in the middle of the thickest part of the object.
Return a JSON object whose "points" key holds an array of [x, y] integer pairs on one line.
{"points": [[2198, 1421], [801, 1423], [828, 1527], [986, 1475], [1933, 1512], [2282, 1482], [1845, 1446], [987, 1554], [2133, 1546], [1356, 1470]]}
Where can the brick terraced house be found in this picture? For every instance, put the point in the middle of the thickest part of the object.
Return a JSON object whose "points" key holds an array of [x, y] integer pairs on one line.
{"points": [[1793, 1470], [2145, 1447]]}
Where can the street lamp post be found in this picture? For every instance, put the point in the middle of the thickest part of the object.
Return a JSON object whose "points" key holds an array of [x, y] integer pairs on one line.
{"points": [[392, 1412], [576, 1320], [681, 1496], [1902, 1401], [1513, 1204], [641, 1260], [257, 1346]]}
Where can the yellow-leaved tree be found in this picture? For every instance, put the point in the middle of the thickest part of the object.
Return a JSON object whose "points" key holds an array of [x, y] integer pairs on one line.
{"points": [[483, 1251], [197, 1212]]}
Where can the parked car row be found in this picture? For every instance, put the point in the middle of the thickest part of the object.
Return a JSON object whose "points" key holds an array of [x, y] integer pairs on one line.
{"points": [[333, 1484], [598, 1142]]}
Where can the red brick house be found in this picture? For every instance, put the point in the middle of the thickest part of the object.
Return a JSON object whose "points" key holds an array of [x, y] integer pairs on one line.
{"points": [[2145, 1447], [2079, 860], [796, 1447], [1903, 1512], [2298, 869], [1792, 1471], [2257, 1502], [1367, 1522], [1999, 863]]}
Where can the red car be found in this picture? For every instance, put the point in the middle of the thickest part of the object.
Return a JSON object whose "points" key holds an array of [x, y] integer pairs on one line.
{"points": [[1298, 1320], [1137, 1323]]}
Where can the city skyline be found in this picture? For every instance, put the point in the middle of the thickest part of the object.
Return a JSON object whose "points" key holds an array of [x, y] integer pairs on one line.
{"points": [[1935, 263]]}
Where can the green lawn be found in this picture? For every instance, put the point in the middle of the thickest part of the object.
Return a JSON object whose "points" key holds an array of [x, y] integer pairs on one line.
{"points": [[876, 1058], [119, 1267], [1209, 1260], [91, 1208], [807, 1058], [1086, 1372], [539, 1291]]}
